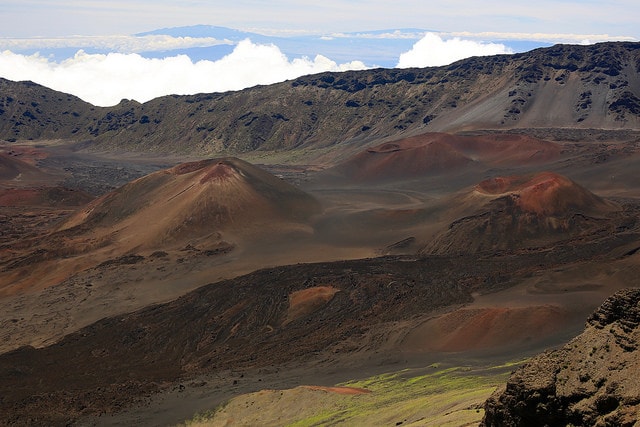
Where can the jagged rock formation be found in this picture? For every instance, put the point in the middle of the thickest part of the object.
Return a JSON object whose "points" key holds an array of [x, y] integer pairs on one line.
{"points": [[590, 381], [566, 86]]}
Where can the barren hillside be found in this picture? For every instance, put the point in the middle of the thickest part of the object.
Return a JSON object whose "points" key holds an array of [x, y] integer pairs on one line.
{"points": [[389, 220], [445, 154], [516, 212], [568, 86]]}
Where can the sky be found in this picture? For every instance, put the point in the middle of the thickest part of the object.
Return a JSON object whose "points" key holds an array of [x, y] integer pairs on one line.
{"points": [[27, 18], [106, 62]]}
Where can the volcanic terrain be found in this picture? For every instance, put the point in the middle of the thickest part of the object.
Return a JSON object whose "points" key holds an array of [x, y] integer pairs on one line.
{"points": [[586, 382], [392, 240], [519, 212], [446, 154]]}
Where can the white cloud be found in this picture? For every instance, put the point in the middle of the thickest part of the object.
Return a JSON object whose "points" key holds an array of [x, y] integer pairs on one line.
{"points": [[392, 35], [432, 50], [542, 37], [106, 79], [122, 44]]}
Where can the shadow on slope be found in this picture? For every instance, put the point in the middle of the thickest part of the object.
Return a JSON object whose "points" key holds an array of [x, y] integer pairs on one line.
{"points": [[352, 311]]}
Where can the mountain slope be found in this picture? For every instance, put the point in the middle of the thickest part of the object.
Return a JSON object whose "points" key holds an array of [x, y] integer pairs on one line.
{"points": [[210, 207], [595, 86], [15, 172], [194, 201], [441, 153], [341, 311], [31, 111], [517, 212], [349, 314]]}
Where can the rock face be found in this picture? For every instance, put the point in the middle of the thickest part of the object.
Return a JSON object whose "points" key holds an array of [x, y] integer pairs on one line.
{"points": [[593, 380]]}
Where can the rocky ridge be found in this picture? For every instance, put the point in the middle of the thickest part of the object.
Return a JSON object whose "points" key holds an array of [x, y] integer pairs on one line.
{"points": [[582, 87], [590, 381]]}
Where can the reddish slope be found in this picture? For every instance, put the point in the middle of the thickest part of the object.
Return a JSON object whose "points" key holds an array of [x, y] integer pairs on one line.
{"points": [[507, 149], [15, 172], [522, 211], [211, 206], [441, 153], [546, 193], [482, 328], [194, 201]]}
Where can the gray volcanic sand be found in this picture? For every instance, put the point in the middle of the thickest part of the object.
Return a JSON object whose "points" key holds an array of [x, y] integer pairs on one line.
{"points": [[543, 310]]}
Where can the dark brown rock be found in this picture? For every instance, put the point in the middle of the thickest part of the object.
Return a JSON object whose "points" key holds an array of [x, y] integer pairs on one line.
{"points": [[590, 381]]}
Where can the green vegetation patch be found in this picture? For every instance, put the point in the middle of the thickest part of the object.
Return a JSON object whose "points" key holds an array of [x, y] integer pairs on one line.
{"points": [[437, 396]]}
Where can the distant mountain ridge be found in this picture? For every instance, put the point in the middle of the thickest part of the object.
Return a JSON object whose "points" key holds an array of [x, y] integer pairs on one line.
{"points": [[564, 86], [380, 48], [201, 31]]}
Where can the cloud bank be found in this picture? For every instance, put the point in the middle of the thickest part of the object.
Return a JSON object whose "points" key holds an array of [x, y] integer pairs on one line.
{"points": [[106, 79], [433, 51], [543, 37], [122, 44], [408, 34]]}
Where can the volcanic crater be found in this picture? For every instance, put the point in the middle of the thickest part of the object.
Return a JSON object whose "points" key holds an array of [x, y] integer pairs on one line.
{"points": [[144, 279]]}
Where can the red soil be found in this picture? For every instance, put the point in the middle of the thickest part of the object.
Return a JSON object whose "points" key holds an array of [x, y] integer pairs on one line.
{"points": [[503, 184], [306, 301], [216, 169], [405, 159], [196, 199], [26, 153], [497, 185], [12, 167], [441, 153], [220, 172], [473, 329], [507, 149], [185, 168], [545, 193]]}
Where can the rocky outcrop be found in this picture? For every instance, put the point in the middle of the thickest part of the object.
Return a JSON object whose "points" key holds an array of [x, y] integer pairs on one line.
{"points": [[590, 381]]}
